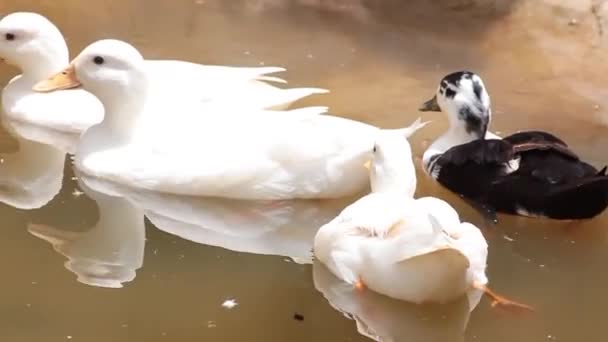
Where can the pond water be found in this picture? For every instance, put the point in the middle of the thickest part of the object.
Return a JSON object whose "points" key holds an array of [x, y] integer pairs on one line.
{"points": [[182, 267]]}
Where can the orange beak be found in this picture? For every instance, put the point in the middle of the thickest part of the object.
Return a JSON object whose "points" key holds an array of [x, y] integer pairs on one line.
{"points": [[65, 79]]}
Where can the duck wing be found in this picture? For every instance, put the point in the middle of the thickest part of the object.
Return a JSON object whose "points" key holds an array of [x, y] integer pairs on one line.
{"points": [[582, 199], [480, 152], [524, 195], [548, 159], [540, 141], [529, 173], [471, 169]]}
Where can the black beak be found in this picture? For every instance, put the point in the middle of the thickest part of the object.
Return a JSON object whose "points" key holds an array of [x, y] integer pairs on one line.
{"points": [[430, 106]]}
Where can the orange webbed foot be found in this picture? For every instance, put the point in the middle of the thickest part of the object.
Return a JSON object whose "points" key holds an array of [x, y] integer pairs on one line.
{"points": [[502, 302], [360, 286]]}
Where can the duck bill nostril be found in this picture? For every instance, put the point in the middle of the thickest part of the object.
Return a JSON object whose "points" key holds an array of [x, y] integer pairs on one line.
{"points": [[430, 105]]}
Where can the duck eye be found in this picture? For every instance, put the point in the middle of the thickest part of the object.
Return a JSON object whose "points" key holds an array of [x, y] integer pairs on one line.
{"points": [[9, 36], [98, 60], [375, 149]]}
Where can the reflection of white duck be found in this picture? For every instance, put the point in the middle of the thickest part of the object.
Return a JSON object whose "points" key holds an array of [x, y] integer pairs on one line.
{"points": [[415, 250], [269, 155], [36, 46], [283, 228], [108, 254], [32, 176], [386, 319]]}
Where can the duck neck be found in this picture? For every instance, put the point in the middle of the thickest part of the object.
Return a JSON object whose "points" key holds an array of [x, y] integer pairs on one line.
{"points": [[458, 134], [123, 111], [395, 179], [48, 61]]}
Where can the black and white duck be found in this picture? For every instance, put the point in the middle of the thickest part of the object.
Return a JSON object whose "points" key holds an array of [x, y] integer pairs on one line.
{"points": [[529, 173]]}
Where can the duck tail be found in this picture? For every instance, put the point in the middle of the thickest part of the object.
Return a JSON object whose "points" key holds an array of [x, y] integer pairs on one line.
{"points": [[273, 79], [583, 199], [308, 111], [289, 96], [261, 74], [411, 129]]}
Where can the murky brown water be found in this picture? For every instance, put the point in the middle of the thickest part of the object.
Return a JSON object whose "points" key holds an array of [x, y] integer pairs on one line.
{"points": [[380, 59]]}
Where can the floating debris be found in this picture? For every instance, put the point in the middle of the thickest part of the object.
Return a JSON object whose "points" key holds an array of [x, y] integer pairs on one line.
{"points": [[508, 238], [298, 317], [229, 303], [211, 324], [77, 193]]}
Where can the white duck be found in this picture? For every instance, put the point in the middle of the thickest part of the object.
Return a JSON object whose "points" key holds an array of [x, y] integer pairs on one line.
{"points": [[415, 250], [172, 148], [32, 43], [35, 46]]}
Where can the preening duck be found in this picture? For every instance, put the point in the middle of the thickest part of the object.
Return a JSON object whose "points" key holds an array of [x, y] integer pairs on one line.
{"points": [[161, 145], [415, 250], [529, 173], [36, 46]]}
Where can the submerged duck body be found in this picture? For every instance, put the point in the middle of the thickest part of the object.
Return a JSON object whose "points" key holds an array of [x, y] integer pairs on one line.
{"points": [[529, 173]]}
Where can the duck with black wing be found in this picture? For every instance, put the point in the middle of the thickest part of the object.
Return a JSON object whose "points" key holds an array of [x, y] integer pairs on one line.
{"points": [[529, 173]]}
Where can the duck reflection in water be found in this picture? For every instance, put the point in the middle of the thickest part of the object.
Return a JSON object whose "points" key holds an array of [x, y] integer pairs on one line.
{"points": [[386, 319], [108, 254], [282, 228]]}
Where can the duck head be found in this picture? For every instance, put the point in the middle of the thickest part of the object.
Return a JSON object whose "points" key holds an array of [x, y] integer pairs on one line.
{"points": [[106, 68], [33, 44], [463, 97], [111, 70], [392, 168]]}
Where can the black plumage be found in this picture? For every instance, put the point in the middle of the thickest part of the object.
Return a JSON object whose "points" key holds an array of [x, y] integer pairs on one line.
{"points": [[550, 181]]}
